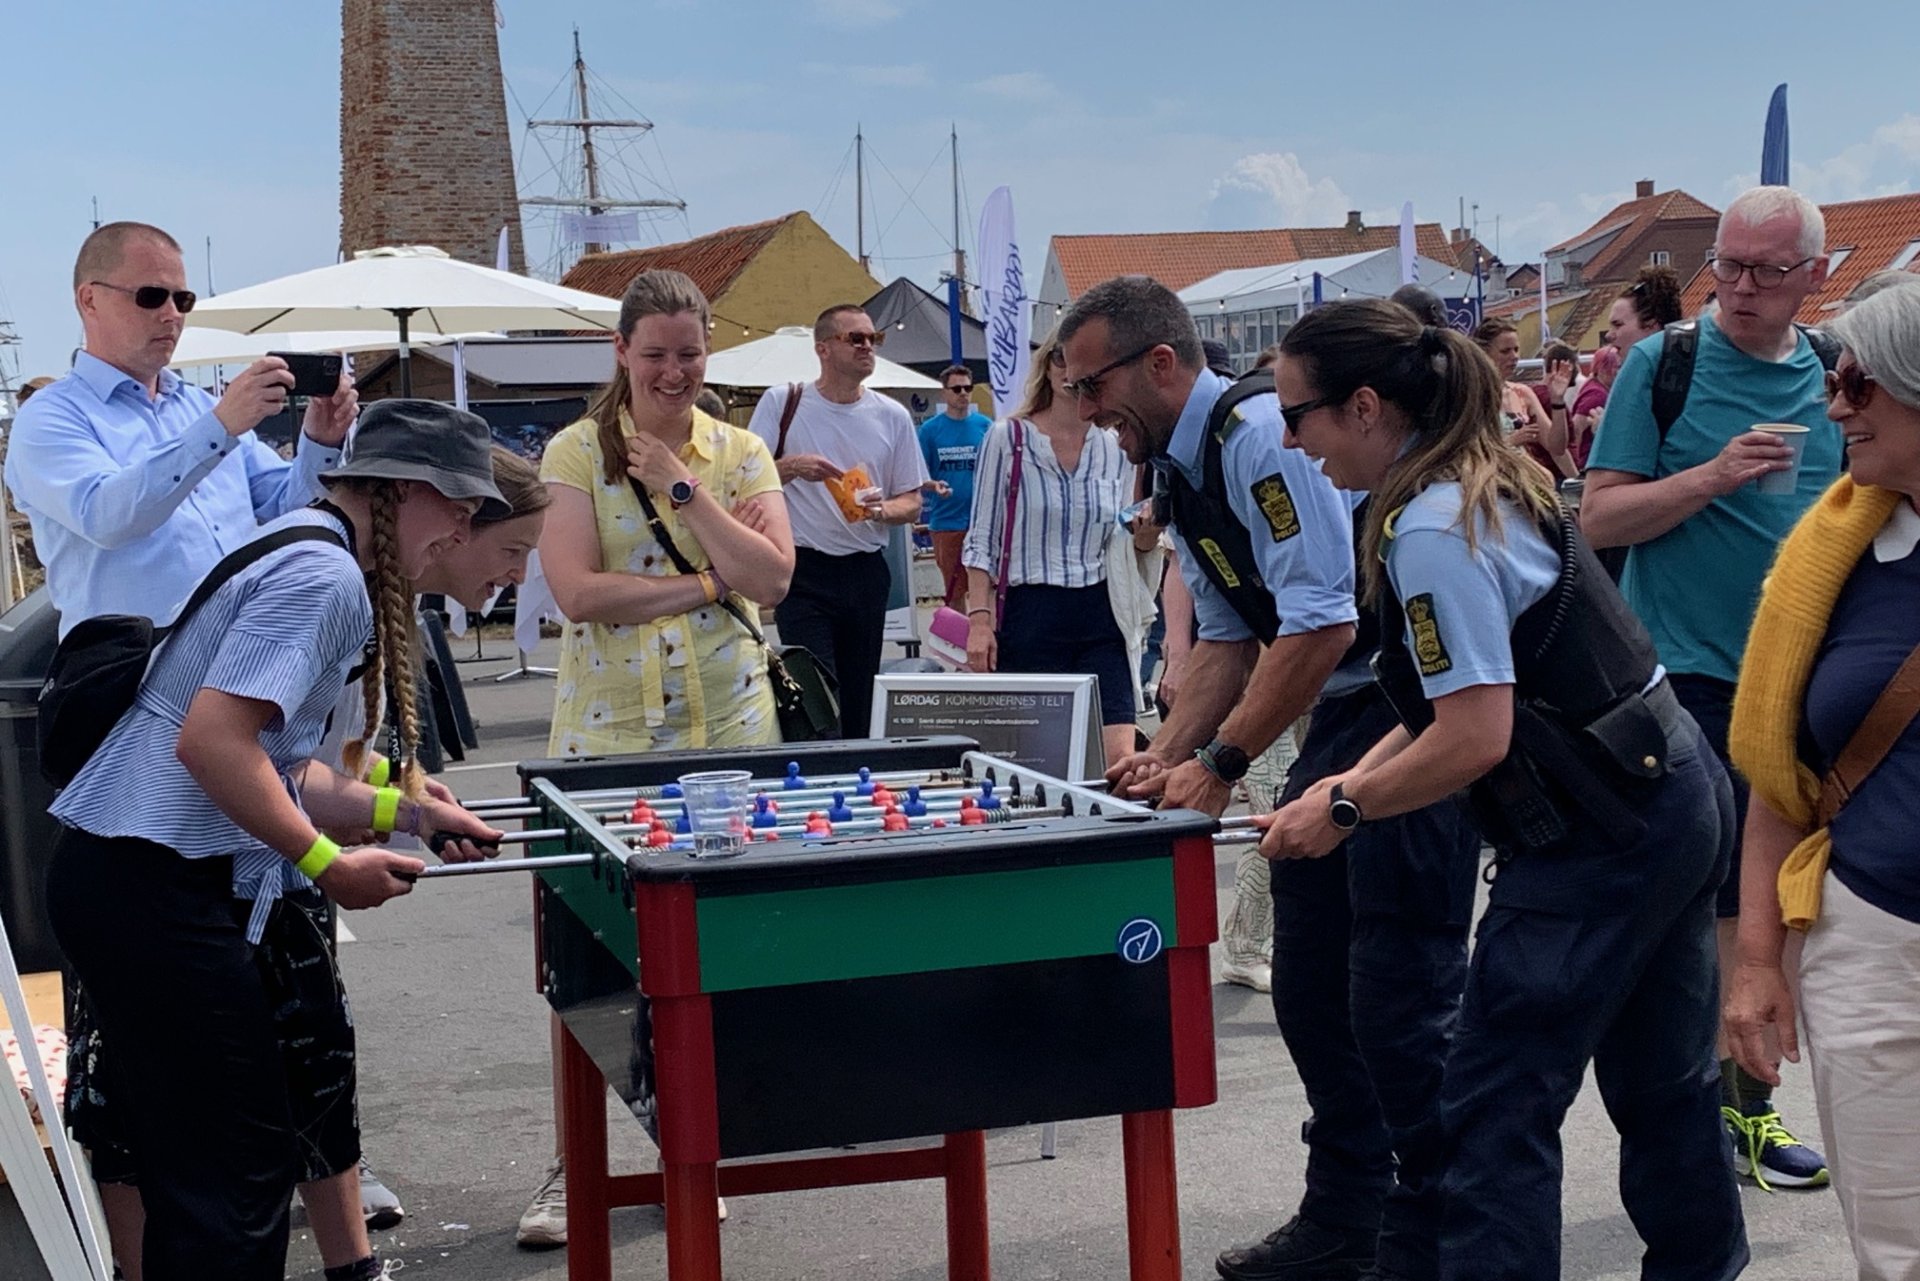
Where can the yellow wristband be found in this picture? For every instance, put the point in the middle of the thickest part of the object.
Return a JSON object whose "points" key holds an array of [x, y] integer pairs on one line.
{"points": [[386, 808], [318, 858], [707, 585], [380, 771]]}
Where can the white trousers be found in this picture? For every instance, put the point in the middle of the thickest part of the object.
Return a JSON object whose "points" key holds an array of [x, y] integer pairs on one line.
{"points": [[1860, 1003]]}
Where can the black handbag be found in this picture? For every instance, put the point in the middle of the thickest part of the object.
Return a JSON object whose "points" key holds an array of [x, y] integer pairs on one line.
{"points": [[97, 668], [806, 697]]}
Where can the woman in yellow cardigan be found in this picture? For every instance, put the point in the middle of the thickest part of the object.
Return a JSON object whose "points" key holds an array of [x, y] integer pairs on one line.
{"points": [[1837, 620]]}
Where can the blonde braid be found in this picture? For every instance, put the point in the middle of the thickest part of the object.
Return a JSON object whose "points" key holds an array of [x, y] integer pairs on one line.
{"points": [[394, 633]]}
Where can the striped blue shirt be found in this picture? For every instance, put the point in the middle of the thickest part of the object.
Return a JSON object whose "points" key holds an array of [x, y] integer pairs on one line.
{"points": [[287, 630], [133, 498], [1062, 519]]}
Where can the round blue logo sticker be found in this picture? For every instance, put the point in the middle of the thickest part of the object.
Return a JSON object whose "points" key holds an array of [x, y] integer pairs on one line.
{"points": [[1139, 941]]}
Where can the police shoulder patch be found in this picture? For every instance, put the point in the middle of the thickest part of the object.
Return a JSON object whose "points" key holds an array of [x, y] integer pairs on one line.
{"points": [[1428, 649], [1276, 504]]}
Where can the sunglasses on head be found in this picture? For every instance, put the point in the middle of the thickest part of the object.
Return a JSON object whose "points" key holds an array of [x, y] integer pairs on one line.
{"points": [[875, 339], [1852, 383], [153, 297]]}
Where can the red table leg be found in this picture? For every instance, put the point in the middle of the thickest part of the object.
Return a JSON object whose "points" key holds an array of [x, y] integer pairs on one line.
{"points": [[1153, 1197], [967, 1207], [583, 1145], [693, 1222]]}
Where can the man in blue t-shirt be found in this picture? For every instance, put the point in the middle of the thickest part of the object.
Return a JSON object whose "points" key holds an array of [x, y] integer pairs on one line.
{"points": [[950, 441], [1702, 533]]}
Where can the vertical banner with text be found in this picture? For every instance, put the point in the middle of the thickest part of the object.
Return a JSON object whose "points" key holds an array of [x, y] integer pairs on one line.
{"points": [[1008, 314]]}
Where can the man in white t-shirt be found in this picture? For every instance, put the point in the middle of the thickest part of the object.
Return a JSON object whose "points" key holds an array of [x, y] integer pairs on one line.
{"points": [[850, 463]]}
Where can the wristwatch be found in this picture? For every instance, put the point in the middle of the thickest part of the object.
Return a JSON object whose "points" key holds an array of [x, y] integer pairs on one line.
{"points": [[1224, 761], [680, 493], [1341, 812]]}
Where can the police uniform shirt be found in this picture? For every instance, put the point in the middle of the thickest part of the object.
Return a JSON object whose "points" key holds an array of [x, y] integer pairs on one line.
{"points": [[1461, 603], [1302, 526]]}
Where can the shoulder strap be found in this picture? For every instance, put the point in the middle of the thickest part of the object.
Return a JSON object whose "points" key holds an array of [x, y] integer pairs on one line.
{"points": [[786, 418], [679, 559], [241, 557], [1885, 722], [1673, 376], [1825, 346], [1213, 473], [1017, 436]]}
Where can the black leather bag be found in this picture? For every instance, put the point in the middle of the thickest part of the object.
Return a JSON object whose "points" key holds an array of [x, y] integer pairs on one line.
{"points": [[98, 666], [806, 697]]}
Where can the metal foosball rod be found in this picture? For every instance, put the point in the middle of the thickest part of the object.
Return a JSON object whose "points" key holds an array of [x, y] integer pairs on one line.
{"points": [[893, 779], [946, 799], [808, 798]]}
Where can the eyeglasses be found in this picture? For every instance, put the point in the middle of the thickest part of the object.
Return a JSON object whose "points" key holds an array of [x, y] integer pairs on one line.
{"points": [[1081, 388], [1852, 383], [1294, 415], [965, 389], [876, 338], [1765, 274], [154, 297]]}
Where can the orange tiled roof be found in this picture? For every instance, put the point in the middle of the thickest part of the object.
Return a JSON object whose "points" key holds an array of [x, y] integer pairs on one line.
{"points": [[1875, 230], [1181, 258], [714, 261], [1635, 217]]}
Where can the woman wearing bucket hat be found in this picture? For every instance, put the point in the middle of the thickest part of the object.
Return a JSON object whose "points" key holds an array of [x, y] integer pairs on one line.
{"points": [[159, 891]]}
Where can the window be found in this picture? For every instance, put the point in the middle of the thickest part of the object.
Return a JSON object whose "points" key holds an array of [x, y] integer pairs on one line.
{"points": [[1660, 257], [1837, 257], [1904, 259]]}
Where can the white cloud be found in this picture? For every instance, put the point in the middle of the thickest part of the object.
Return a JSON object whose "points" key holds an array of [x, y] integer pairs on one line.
{"points": [[1271, 188], [1883, 165], [902, 76], [856, 13], [1020, 86]]}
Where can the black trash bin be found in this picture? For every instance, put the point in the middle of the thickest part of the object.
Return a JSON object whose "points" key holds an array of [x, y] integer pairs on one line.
{"points": [[28, 633]]}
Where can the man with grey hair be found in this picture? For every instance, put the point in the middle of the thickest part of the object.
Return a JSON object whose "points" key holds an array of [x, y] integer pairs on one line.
{"points": [[1370, 942], [1703, 500]]}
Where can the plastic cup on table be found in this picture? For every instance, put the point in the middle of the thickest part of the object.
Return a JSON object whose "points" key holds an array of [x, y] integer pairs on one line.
{"points": [[1795, 435], [719, 808]]}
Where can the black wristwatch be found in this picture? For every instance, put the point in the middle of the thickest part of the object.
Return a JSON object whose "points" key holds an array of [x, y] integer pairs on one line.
{"points": [[1341, 812], [680, 493], [1226, 762]]}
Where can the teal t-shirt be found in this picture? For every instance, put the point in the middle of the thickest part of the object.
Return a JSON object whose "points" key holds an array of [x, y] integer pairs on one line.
{"points": [[951, 447], [1697, 585]]}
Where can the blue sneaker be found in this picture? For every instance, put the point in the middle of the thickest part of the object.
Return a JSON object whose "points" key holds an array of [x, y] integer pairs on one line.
{"points": [[1765, 1152]]}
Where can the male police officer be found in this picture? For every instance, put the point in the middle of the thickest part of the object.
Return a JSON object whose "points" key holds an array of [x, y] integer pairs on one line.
{"points": [[1370, 943]]}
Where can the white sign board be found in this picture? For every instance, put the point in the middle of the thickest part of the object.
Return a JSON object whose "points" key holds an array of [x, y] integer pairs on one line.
{"points": [[1047, 723]]}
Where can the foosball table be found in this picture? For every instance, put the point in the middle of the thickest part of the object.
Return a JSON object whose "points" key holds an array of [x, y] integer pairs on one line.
{"points": [[919, 941]]}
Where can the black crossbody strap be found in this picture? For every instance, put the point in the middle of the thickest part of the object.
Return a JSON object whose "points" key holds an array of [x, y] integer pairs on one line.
{"points": [[680, 562], [241, 557]]}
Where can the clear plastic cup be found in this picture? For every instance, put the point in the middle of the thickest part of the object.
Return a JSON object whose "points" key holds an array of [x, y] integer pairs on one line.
{"points": [[1795, 435], [719, 803]]}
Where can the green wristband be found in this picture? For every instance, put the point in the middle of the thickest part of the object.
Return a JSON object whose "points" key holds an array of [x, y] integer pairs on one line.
{"points": [[386, 808], [318, 858], [380, 771]]}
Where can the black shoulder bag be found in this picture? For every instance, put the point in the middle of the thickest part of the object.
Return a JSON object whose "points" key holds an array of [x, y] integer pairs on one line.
{"points": [[805, 695], [98, 667]]}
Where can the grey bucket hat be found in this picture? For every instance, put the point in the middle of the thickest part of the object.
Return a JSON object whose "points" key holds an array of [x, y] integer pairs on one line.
{"points": [[424, 440]]}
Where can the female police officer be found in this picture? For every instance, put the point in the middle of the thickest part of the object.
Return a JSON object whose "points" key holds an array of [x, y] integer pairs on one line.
{"points": [[1520, 674]]}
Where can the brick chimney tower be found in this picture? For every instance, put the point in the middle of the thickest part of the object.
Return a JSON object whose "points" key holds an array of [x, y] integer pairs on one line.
{"points": [[426, 157]]}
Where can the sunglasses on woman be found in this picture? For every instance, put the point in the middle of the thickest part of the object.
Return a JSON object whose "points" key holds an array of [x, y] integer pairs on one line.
{"points": [[153, 297], [1851, 383]]}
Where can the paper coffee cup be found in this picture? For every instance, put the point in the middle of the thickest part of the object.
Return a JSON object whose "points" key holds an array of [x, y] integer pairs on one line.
{"points": [[1795, 435]]}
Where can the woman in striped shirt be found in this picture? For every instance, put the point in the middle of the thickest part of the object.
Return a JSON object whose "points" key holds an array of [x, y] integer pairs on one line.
{"points": [[1037, 549], [203, 805]]}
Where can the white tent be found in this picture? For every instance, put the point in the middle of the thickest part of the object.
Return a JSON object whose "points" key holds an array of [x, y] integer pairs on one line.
{"points": [[787, 356], [219, 347], [1373, 274], [420, 287]]}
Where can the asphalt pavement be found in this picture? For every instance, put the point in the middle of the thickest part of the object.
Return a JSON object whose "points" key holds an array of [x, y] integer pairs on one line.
{"points": [[456, 1111]]}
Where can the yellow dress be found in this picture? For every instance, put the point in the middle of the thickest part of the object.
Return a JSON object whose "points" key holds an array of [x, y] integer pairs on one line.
{"points": [[689, 680]]}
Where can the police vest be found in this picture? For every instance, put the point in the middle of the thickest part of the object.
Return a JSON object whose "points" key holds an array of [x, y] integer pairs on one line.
{"points": [[1587, 741], [1212, 536]]}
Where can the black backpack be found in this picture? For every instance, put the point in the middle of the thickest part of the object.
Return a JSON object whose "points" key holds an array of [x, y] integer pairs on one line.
{"points": [[1673, 376], [98, 667]]}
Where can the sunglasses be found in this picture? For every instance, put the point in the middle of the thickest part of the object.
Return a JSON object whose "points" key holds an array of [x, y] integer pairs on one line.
{"points": [[1765, 274], [1294, 415], [154, 297], [965, 389], [1852, 383], [876, 339], [1081, 388]]}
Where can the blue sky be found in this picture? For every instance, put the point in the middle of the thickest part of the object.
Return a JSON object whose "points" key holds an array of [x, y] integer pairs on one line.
{"points": [[217, 118]]}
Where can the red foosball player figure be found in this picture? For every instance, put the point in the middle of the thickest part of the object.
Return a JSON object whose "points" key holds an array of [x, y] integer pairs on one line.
{"points": [[661, 835]]}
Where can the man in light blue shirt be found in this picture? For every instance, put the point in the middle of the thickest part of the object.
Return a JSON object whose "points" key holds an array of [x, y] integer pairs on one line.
{"points": [[137, 482]]}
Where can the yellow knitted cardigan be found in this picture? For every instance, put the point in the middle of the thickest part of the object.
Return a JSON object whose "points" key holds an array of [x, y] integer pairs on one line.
{"points": [[1795, 605]]}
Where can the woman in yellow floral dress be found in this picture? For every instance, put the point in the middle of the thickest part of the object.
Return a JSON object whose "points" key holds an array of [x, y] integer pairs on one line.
{"points": [[649, 660]]}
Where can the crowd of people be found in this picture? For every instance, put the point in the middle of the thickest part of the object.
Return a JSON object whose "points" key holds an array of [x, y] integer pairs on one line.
{"points": [[1373, 584]]}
